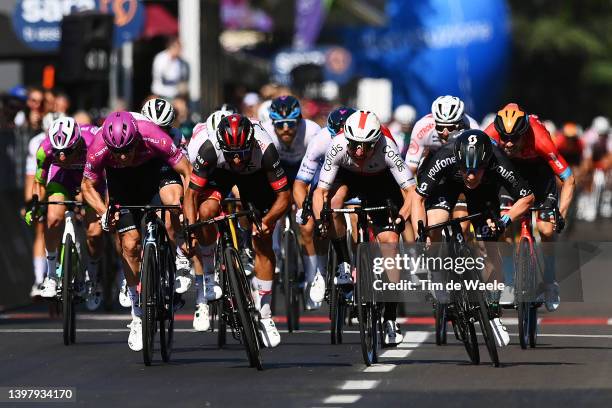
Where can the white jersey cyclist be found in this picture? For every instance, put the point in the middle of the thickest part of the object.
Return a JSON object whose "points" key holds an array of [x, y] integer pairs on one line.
{"points": [[385, 156], [315, 153], [291, 156], [425, 139]]}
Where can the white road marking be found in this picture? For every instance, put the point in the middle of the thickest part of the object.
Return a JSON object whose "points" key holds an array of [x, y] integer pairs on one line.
{"points": [[379, 368], [610, 321], [342, 399], [359, 384], [395, 353]]}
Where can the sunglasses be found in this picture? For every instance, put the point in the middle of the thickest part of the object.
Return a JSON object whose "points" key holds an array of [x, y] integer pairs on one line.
{"points": [[353, 146], [450, 127], [243, 155], [291, 123], [122, 150], [67, 152]]}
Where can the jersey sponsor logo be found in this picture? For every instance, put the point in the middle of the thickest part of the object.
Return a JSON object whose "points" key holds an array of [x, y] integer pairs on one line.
{"points": [[333, 152], [278, 184], [439, 165], [508, 175], [555, 159], [423, 187], [524, 192], [425, 130], [395, 158], [413, 148]]}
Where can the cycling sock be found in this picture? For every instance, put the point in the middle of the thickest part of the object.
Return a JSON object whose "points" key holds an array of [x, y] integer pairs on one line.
{"points": [[207, 253], [390, 311], [51, 264], [40, 268], [133, 294], [508, 269], [310, 267], [199, 287], [264, 292], [341, 249], [549, 269], [92, 270]]}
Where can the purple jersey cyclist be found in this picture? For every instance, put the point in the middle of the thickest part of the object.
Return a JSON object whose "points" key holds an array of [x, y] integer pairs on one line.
{"points": [[132, 153], [60, 162]]}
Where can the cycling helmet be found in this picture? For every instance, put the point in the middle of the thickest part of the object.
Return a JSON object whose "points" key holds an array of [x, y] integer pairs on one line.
{"points": [[473, 150], [235, 133], [404, 115], [550, 126], [285, 107], [601, 125], [213, 121], [336, 119], [159, 111], [227, 107], [571, 130], [362, 127], [511, 122], [119, 130], [64, 133], [49, 118], [447, 110]]}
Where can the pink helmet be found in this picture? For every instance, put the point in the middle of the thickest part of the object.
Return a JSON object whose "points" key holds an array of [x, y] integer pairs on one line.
{"points": [[119, 130]]}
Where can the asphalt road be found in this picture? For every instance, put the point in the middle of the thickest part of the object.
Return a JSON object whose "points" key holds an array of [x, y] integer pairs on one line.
{"points": [[571, 366]]}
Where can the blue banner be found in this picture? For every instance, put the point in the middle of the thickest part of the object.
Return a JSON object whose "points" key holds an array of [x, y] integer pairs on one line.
{"points": [[438, 47], [38, 22]]}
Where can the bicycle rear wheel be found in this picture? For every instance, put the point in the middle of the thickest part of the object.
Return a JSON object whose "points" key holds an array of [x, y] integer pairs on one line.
{"points": [[485, 327], [290, 280], [533, 325], [522, 292], [241, 300], [166, 296], [367, 310], [465, 326], [67, 291], [148, 301]]}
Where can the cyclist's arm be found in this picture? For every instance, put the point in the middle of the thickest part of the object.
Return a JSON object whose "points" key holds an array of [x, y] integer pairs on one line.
{"points": [[92, 197], [417, 212], [329, 169], [318, 198], [278, 182], [300, 192], [402, 174], [183, 167], [204, 163], [518, 188]]}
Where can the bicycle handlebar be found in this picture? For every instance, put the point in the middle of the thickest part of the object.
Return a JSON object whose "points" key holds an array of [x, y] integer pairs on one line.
{"points": [[422, 230]]}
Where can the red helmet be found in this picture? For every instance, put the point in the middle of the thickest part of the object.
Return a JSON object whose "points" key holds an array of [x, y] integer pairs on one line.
{"points": [[235, 132]]}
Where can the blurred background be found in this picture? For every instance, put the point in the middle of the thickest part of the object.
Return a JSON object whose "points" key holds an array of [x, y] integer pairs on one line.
{"points": [[89, 57]]}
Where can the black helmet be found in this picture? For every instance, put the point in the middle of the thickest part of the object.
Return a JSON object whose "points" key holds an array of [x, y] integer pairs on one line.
{"points": [[473, 150], [235, 132], [285, 107], [337, 117]]}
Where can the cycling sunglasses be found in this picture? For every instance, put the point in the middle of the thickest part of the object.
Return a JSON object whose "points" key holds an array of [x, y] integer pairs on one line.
{"points": [[67, 151], [291, 123], [353, 146], [243, 154], [450, 127], [122, 150]]}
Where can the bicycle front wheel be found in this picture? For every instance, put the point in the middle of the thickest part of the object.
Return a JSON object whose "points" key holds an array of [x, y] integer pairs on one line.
{"points": [[68, 266], [487, 330], [148, 301], [290, 278], [241, 295], [166, 322], [367, 310]]}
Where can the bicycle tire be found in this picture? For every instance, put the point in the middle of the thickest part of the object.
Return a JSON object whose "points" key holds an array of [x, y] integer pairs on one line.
{"points": [[465, 326], [441, 320], [67, 303], [533, 325], [366, 310], [487, 330], [220, 304], [240, 292], [148, 302], [522, 292], [292, 305], [166, 292]]}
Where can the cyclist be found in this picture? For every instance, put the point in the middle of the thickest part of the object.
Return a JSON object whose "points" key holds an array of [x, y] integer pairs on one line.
{"points": [[471, 165], [402, 125], [38, 246], [244, 155], [291, 135], [530, 147], [131, 152], [597, 152], [308, 174], [363, 162], [161, 112], [207, 289]]}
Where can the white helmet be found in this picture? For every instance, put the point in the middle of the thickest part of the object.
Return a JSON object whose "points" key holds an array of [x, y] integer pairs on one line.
{"points": [[212, 122], [601, 125], [49, 118], [159, 111], [64, 133], [487, 120], [405, 114], [263, 112], [447, 109], [362, 126]]}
